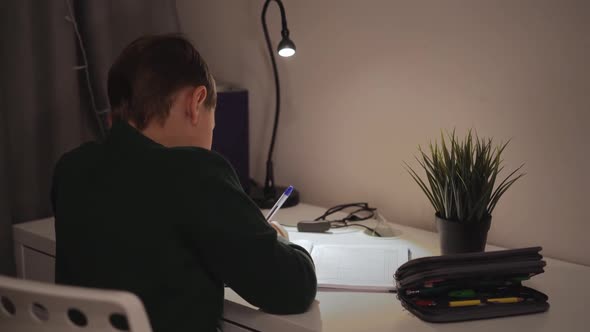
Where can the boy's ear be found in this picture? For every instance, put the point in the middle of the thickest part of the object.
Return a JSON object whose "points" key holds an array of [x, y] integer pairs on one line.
{"points": [[196, 99]]}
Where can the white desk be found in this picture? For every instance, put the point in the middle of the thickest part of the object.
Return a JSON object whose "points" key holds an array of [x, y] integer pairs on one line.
{"points": [[566, 285]]}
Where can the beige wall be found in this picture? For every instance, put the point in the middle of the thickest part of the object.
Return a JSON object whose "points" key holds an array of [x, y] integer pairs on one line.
{"points": [[373, 79]]}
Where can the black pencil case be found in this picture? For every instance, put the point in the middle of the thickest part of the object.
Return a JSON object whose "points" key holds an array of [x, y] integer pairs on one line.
{"points": [[471, 286]]}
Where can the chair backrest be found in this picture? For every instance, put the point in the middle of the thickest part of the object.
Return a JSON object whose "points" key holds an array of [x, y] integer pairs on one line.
{"points": [[31, 306]]}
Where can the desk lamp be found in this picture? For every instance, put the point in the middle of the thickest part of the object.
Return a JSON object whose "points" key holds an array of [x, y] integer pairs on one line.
{"points": [[266, 197]]}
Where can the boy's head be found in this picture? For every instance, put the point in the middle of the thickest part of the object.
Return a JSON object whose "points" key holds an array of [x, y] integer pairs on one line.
{"points": [[162, 86]]}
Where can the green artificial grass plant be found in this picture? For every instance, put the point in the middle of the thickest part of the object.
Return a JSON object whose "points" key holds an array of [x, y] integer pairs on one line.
{"points": [[461, 175]]}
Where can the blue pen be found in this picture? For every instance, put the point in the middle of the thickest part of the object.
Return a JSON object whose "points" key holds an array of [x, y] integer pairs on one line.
{"points": [[279, 203]]}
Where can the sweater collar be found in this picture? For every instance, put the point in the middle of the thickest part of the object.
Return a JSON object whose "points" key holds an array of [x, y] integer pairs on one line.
{"points": [[123, 133]]}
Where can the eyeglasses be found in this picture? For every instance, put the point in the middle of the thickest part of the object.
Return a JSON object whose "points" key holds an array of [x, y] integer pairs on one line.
{"points": [[356, 212]]}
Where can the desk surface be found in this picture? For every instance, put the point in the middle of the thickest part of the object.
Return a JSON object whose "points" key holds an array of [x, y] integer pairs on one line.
{"points": [[566, 284]]}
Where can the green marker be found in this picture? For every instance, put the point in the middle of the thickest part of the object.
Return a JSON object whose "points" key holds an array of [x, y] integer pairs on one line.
{"points": [[463, 293]]}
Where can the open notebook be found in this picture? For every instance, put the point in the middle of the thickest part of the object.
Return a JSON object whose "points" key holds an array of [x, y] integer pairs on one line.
{"points": [[360, 267]]}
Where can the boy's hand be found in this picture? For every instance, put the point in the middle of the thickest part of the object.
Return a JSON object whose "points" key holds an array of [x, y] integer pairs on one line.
{"points": [[280, 229]]}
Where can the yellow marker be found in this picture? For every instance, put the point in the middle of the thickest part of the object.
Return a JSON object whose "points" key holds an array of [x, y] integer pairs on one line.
{"points": [[465, 303], [506, 300]]}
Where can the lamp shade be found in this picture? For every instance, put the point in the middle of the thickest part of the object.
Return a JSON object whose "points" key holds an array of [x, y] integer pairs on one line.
{"points": [[286, 47]]}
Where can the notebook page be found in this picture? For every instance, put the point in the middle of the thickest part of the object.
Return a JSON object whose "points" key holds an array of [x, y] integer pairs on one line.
{"points": [[364, 267]]}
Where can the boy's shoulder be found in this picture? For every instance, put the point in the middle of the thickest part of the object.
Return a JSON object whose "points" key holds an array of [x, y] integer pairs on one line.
{"points": [[196, 155], [86, 154], [205, 164]]}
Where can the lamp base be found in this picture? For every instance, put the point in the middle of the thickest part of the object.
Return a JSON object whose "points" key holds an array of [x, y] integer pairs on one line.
{"points": [[266, 202]]}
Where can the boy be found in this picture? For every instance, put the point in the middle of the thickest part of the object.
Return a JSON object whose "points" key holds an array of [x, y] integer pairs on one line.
{"points": [[153, 211]]}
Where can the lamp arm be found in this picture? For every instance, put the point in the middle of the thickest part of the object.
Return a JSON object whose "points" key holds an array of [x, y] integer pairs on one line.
{"points": [[269, 185]]}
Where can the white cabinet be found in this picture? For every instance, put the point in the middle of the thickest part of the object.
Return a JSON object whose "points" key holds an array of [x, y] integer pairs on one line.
{"points": [[34, 250], [38, 265]]}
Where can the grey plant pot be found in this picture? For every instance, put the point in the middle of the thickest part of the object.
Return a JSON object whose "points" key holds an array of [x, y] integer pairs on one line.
{"points": [[456, 237]]}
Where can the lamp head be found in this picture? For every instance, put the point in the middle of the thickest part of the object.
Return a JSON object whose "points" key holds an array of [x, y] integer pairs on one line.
{"points": [[286, 47]]}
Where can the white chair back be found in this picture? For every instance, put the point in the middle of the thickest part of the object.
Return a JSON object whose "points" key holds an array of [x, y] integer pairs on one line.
{"points": [[31, 306]]}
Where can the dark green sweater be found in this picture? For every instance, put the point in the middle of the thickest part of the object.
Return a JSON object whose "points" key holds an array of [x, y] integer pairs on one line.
{"points": [[171, 225]]}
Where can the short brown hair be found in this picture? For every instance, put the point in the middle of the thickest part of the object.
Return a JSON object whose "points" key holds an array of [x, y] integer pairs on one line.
{"points": [[143, 79]]}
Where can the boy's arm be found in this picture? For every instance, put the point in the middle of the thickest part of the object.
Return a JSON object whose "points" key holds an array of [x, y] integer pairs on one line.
{"points": [[237, 246]]}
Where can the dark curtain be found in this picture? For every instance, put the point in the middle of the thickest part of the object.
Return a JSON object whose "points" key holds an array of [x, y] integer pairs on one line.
{"points": [[110, 25], [6, 257], [46, 107]]}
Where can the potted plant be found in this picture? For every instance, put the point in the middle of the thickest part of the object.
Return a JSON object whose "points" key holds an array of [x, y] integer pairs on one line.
{"points": [[461, 186]]}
